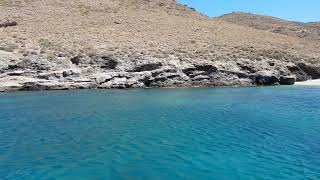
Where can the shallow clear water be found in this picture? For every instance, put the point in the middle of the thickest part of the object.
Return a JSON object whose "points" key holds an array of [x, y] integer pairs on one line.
{"points": [[223, 133]]}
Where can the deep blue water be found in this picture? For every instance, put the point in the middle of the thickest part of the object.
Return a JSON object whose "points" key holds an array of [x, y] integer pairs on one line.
{"points": [[223, 133]]}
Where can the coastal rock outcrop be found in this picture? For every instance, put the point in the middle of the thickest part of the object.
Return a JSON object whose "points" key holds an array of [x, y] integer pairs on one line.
{"points": [[287, 80], [25, 73], [141, 44], [266, 78], [313, 70]]}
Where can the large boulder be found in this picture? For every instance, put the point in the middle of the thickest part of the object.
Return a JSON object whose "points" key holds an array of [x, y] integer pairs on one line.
{"points": [[312, 70], [298, 72], [102, 77], [71, 72], [266, 78], [287, 80]]}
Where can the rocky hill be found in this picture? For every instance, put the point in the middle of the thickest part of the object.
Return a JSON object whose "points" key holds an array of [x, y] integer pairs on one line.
{"points": [[275, 25], [55, 44]]}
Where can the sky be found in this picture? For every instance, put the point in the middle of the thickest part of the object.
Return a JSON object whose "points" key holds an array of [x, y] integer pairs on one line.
{"points": [[294, 10]]}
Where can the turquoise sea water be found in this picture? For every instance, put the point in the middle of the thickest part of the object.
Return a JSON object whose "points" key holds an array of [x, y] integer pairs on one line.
{"points": [[223, 133]]}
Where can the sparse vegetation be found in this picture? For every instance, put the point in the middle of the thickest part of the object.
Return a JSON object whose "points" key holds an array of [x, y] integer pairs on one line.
{"points": [[84, 10], [158, 29], [272, 24], [44, 44], [8, 48], [4, 3]]}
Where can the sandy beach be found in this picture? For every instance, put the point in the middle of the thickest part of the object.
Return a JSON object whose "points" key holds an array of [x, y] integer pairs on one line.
{"points": [[315, 82]]}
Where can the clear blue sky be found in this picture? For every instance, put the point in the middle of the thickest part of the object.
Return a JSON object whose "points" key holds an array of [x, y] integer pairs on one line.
{"points": [[295, 10]]}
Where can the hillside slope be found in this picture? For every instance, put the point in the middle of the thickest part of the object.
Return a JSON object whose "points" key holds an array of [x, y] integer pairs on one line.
{"points": [[140, 43], [310, 31]]}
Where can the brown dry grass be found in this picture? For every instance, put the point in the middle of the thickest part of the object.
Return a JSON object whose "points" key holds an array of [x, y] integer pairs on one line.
{"points": [[141, 29], [310, 31]]}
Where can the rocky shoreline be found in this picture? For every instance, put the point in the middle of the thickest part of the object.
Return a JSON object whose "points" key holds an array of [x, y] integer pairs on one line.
{"points": [[45, 45], [35, 72]]}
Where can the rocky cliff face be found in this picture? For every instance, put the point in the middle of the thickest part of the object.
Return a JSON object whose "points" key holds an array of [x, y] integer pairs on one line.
{"points": [[53, 44]]}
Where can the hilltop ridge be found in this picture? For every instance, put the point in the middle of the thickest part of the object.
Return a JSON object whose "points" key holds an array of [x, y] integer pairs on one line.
{"points": [[142, 43], [276, 25]]}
